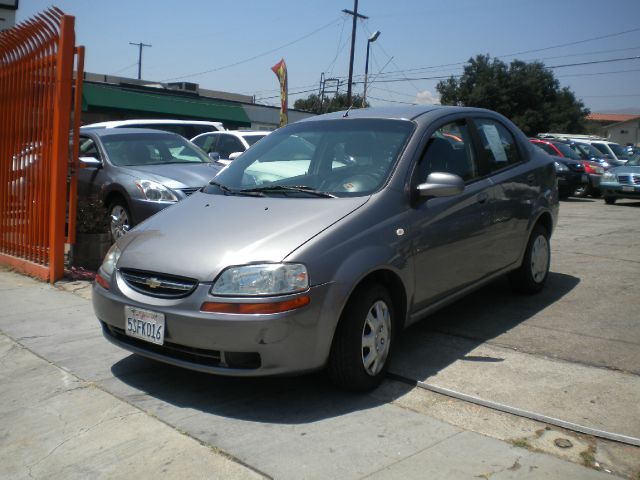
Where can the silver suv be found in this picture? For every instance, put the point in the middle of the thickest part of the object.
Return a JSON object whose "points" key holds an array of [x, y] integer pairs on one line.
{"points": [[317, 246]]}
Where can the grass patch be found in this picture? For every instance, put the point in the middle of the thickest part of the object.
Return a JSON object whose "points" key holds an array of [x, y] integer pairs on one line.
{"points": [[588, 458], [521, 442]]}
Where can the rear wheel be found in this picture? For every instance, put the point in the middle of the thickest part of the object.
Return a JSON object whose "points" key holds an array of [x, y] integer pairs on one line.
{"points": [[362, 344], [534, 270], [609, 200]]}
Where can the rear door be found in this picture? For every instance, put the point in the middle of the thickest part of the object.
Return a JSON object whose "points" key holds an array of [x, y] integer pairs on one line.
{"points": [[515, 186]]}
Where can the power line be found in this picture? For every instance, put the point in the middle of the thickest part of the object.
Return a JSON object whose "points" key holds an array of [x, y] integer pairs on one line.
{"points": [[553, 67], [240, 62], [597, 73], [571, 43]]}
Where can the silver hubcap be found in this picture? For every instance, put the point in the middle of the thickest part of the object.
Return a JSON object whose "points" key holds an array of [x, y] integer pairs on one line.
{"points": [[376, 338], [539, 258], [119, 222]]}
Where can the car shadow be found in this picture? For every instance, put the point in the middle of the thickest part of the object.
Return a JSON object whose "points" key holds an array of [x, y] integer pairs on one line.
{"points": [[464, 325], [628, 203], [579, 200], [448, 335]]}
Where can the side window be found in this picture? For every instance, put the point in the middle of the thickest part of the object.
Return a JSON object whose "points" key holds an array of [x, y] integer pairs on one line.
{"points": [[499, 144], [228, 144], [449, 150], [547, 148], [207, 143], [88, 148]]}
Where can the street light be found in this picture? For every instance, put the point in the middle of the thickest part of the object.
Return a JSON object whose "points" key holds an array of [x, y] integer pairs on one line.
{"points": [[371, 39]]}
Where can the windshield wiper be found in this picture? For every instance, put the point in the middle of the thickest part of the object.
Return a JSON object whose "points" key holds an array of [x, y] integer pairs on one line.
{"points": [[229, 191], [289, 188]]}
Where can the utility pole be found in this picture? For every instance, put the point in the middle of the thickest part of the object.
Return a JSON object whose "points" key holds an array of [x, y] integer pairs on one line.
{"points": [[356, 15], [140, 45]]}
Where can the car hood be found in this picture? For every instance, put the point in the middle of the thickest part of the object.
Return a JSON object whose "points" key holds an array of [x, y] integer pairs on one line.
{"points": [[175, 175], [202, 235], [626, 169]]}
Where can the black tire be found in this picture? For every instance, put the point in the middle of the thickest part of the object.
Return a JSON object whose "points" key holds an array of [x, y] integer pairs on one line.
{"points": [[532, 274], [347, 366], [583, 190], [609, 200], [117, 228]]}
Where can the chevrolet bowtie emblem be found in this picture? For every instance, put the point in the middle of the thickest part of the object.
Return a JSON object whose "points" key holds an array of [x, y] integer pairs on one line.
{"points": [[153, 282]]}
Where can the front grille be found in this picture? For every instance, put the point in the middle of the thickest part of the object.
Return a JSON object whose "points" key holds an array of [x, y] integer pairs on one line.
{"points": [[190, 191], [199, 356], [158, 284], [629, 179]]}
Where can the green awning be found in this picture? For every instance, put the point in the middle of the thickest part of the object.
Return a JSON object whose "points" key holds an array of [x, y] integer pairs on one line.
{"points": [[112, 96]]}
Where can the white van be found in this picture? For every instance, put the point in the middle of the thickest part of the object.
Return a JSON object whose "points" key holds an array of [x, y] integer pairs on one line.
{"points": [[186, 128]]}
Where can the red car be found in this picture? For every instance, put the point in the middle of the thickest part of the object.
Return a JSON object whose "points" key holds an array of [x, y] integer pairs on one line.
{"points": [[593, 169]]}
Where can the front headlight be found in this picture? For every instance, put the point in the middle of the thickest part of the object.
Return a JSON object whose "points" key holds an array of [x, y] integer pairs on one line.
{"points": [[154, 191], [560, 167], [609, 177], [110, 260], [262, 279]]}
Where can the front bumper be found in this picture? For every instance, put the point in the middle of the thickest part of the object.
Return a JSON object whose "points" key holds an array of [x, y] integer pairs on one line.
{"points": [[228, 344], [617, 190], [568, 182]]}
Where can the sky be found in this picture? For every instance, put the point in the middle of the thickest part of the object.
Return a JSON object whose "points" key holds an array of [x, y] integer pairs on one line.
{"points": [[231, 45]]}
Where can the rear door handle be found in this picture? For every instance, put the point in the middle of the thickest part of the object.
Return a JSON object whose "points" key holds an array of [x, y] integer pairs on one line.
{"points": [[531, 179], [482, 197]]}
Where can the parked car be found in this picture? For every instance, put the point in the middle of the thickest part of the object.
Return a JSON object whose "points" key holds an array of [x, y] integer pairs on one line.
{"points": [[138, 172], [186, 128], [589, 152], [613, 152], [319, 254], [622, 182], [225, 146], [592, 170], [572, 178]]}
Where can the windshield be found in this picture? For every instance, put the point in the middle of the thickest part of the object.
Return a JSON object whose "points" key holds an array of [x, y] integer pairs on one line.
{"points": [[588, 150], [150, 149], [335, 157], [634, 161], [620, 152], [567, 151]]}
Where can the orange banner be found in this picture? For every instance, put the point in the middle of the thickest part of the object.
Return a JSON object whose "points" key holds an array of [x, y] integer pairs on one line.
{"points": [[280, 69]]}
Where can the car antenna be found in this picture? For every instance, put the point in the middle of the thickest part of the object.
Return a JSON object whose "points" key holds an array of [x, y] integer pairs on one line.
{"points": [[346, 114]]}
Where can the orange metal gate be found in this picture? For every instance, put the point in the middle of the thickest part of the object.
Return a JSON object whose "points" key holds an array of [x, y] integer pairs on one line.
{"points": [[37, 167]]}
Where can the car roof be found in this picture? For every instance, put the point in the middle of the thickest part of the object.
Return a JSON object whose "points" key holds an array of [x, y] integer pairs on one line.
{"points": [[394, 113], [150, 121], [105, 132]]}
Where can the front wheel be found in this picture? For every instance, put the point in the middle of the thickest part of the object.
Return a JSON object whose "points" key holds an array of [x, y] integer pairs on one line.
{"points": [[119, 220], [362, 343], [532, 274]]}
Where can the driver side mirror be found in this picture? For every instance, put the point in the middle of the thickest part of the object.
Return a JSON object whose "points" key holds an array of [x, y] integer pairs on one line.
{"points": [[90, 162], [215, 156], [440, 184]]}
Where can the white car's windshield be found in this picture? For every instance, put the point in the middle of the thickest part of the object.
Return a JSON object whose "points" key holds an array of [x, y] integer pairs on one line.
{"points": [[334, 158]]}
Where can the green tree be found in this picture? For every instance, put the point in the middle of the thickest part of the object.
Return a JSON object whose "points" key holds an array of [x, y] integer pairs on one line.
{"points": [[329, 104], [526, 93]]}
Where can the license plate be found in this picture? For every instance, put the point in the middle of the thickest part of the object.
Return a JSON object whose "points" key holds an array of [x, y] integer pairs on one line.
{"points": [[626, 188], [144, 324]]}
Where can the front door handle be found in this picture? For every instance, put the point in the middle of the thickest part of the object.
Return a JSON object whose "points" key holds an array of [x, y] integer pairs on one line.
{"points": [[531, 179], [482, 197]]}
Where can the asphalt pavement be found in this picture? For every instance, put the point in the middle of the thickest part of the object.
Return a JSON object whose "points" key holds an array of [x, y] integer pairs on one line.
{"points": [[74, 406]]}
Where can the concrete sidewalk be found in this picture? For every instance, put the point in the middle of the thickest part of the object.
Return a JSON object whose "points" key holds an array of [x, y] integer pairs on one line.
{"points": [[74, 406]]}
